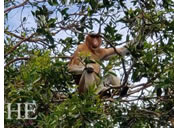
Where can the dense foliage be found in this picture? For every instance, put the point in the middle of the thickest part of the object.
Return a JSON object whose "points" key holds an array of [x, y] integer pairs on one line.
{"points": [[41, 35]]}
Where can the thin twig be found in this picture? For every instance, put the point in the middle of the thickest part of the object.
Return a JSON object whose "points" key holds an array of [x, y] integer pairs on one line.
{"points": [[12, 49], [17, 59], [150, 112], [16, 6], [62, 57], [21, 37], [27, 58], [122, 60]]}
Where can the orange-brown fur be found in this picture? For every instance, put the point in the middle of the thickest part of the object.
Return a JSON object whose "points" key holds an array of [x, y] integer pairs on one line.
{"points": [[96, 54]]}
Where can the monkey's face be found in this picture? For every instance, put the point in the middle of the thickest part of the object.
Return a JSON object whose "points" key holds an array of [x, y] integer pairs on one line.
{"points": [[93, 41]]}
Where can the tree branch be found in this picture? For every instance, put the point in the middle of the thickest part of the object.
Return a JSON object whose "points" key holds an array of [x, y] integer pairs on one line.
{"points": [[27, 58], [17, 59], [21, 37], [11, 50], [122, 61], [137, 90], [16, 6], [63, 57], [150, 112]]}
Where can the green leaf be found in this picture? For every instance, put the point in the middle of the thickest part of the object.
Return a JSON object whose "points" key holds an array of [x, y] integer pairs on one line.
{"points": [[24, 19], [53, 2], [93, 4]]}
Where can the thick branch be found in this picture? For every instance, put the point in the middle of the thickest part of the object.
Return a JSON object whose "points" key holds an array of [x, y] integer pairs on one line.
{"points": [[150, 112], [142, 88], [127, 74]]}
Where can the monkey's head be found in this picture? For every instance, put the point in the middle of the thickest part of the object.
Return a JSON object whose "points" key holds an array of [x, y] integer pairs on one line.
{"points": [[93, 41]]}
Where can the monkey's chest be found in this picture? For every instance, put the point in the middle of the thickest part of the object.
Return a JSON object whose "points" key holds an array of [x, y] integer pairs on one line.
{"points": [[95, 58], [90, 55]]}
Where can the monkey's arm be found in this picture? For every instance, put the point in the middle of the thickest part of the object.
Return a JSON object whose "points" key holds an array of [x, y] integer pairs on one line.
{"points": [[111, 51], [75, 66], [76, 69]]}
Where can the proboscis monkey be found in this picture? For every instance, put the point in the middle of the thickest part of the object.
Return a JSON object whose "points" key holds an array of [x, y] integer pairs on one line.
{"points": [[86, 74]]}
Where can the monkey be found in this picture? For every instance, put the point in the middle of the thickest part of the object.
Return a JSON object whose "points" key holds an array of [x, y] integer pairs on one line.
{"points": [[87, 74]]}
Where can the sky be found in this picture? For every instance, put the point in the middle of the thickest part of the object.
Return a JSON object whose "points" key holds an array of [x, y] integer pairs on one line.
{"points": [[15, 18]]}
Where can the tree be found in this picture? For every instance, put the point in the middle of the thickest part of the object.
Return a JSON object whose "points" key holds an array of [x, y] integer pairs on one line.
{"points": [[37, 48]]}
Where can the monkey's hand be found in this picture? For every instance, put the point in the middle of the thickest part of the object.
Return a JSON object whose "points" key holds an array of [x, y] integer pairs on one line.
{"points": [[89, 69], [76, 69]]}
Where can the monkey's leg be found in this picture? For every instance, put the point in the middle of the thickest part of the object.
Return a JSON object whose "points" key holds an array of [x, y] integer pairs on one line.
{"points": [[76, 69], [88, 78], [115, 82], [112, 80]]}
